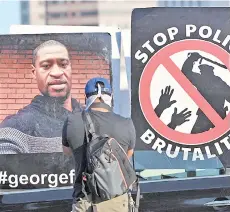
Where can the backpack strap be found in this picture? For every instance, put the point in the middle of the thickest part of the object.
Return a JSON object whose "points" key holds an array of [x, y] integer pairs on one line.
{"points": [[89, 126], [94, 207], [138, 196]]}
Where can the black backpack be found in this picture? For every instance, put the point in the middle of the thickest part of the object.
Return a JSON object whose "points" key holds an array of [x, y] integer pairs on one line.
{"points": [[109, 172]]}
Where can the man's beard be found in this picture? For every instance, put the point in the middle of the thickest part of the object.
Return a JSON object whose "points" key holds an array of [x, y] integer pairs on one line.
{"points": [[58, 99]]}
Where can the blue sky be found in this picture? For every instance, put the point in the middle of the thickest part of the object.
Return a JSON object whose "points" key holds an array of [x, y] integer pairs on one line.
{"points": [[9, 14]]}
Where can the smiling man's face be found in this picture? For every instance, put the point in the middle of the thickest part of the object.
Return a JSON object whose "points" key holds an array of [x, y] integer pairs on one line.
{"points": [[53, 72]]}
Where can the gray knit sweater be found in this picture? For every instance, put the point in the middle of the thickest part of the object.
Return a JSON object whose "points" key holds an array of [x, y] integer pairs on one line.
{"points": [[37, 128]]}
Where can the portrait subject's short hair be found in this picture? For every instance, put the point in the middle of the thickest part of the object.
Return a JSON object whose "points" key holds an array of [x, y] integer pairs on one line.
{"points": [[46, 43]]}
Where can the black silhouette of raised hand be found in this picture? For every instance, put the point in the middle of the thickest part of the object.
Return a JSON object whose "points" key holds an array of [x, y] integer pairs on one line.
{"points": [[165, 100], [179, 118]]}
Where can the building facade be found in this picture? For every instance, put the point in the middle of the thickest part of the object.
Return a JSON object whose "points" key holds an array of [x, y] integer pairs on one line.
{"points": [[115, 13], [80, 13], [193, 3]]}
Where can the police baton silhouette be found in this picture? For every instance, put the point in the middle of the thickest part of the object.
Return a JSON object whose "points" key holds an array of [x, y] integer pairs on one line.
{"points": [[211, 61], [214, 62]]}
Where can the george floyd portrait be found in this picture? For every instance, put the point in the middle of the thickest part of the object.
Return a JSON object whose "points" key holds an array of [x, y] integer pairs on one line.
{"points": [[42, 80]]}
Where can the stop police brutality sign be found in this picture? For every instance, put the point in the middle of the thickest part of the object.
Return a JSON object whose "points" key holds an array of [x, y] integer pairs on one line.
{"points": [[181, 81]]}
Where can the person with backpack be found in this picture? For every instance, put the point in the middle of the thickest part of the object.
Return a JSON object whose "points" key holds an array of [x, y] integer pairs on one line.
{"points": [[102, 144]]}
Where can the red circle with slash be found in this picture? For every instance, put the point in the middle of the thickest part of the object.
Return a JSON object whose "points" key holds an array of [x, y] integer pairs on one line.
{"points": [[162, 57]]}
